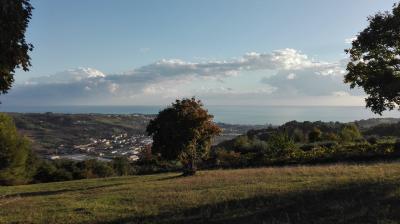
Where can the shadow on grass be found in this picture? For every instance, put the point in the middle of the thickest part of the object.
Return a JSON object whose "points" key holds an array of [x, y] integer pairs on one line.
{"points": [[351, 203], [46, 193], [173, 177]]}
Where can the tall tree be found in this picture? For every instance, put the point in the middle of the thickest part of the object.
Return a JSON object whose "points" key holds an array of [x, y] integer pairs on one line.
{"points": [[183, 131], [375, 61], [14, 19], [15, 154]]}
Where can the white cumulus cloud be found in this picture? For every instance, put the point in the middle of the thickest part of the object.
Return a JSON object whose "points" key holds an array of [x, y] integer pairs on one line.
{"points": [[294, 73], [350, 40]]}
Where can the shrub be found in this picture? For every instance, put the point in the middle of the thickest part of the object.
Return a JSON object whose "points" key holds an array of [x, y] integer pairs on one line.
{"points": [[314, 135], [298, 135], [279, 143], [372, 140], [45, 172], [350, 132], [242, 144], [328, 144], [227, 158], [397, 145], [121, 166], [308, 147], [15, 154], [62, 175], [93, 169], [331, 137], [102, 169]]}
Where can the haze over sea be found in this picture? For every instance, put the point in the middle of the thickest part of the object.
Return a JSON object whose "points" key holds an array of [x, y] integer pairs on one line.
{"points": [[275, 115]]}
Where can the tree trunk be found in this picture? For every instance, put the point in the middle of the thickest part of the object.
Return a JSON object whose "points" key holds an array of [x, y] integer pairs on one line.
{"points": [[191, 167]]}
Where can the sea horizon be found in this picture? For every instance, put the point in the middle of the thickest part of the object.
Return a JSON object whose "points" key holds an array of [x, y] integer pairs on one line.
{"points": [[230, 114]]}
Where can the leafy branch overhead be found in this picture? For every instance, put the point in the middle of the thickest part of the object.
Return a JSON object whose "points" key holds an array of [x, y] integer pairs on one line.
{"points": [[14, 19], [375, 61]]}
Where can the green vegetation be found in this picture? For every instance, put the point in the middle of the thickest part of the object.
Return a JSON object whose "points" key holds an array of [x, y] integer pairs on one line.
{"points": [[375, 63], [381, 130], [303, 143], [16, 157], [291, 143], [48, 131], [317, 194], [63, 170], [183, 131], [14, 19]]}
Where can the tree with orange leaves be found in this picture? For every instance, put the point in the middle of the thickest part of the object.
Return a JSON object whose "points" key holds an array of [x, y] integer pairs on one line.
{"points": [[183, 131]]}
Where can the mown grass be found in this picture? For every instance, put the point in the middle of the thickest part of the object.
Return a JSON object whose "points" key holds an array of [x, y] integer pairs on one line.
{"points": [[367, 193]]}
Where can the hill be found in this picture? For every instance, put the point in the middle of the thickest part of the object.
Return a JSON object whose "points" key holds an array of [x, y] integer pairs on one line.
{"points": [[368, 193], [51, 131], [65, 134]]}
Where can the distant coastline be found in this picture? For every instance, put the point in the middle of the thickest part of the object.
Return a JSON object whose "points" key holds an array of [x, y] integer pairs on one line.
{"points": [[251, 115]]}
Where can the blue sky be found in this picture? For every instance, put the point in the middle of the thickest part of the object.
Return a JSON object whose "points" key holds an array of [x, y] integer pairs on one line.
{"points": [[224, 51]]}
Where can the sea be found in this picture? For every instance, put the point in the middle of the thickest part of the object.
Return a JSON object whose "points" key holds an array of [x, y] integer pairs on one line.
{"points": [[244, 115]]}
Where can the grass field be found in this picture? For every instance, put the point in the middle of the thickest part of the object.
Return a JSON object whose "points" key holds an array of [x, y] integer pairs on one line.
{"points": [[315, 194]]}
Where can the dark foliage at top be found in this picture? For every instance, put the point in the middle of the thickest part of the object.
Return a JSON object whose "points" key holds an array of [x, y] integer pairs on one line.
{"points": [[375, 61], [14, 19]]}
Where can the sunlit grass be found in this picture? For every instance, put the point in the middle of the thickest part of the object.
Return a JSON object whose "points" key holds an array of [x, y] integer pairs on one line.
{"points": [[326, 194]]}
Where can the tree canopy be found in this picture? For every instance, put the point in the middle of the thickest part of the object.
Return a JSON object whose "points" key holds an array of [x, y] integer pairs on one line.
{"points": [[375, 61], [183, 131], [15, 154], [14, 19]]}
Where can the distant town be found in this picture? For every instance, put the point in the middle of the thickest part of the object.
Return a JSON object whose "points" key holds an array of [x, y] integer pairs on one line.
{"points": [[97, 136], [106, 148]]}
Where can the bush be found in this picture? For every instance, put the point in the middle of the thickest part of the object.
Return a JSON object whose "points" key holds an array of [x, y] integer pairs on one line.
{"points": [[397, 145], [314, 135], [279, 143], [372, 140], [298, 135], [102, 169], [15, 154], [350, 132], [121, 166], [227, 158], [62, 175], [242, 144], [330, 137], [155, 165], [45, 172], [94, 169], [308, 147], [328, 144]]}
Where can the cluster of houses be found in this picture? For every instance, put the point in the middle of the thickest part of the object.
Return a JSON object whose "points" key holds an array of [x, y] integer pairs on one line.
{"points": [[126, 145], [121, 145]]}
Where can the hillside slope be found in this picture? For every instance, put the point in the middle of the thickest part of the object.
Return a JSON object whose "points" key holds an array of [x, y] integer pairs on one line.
{"points": [[49, 130], [316, 194]]}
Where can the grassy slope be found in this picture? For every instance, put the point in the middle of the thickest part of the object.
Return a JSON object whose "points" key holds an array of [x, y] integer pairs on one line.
{"points": [[316, 194]]}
